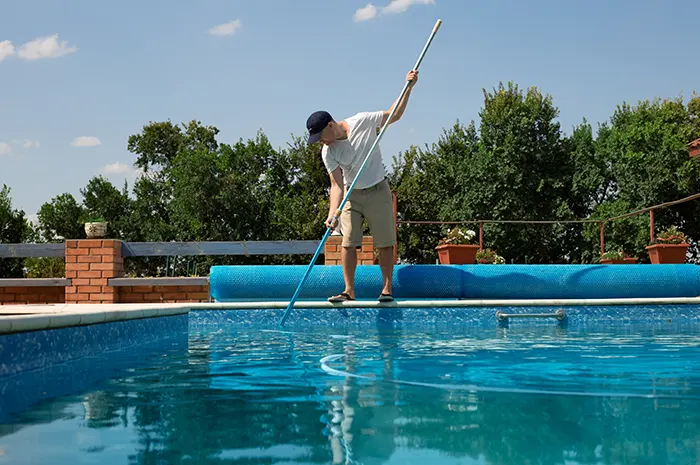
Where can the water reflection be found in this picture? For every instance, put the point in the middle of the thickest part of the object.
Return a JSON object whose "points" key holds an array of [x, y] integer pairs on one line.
{"points": [[250, 397]]}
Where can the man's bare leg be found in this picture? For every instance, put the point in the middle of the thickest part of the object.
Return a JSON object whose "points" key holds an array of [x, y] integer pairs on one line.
{"points": [[348, 258], [386, 263]]}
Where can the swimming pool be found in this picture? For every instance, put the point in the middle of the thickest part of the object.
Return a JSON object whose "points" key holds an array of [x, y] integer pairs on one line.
{"points": [[604, 386]]}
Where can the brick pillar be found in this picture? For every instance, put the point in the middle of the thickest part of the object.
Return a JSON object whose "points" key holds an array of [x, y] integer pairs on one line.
{"points": [[90, 263], [365, 255]]}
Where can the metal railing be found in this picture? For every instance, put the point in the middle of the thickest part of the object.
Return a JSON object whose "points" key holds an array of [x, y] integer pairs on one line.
{"points": [[160, 249], [301, 247], [600, 222]]}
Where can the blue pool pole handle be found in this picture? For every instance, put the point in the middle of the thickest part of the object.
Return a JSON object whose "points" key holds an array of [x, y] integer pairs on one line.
{"points": [[306, 275], [357, 176]]}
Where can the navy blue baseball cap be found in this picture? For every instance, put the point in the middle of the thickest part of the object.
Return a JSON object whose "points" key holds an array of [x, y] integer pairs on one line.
{"points": [[316, 123]]}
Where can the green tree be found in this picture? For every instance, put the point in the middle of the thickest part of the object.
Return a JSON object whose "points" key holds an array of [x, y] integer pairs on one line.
{"points": [[429, 186], [150, 217], [14, 229], [591, 185], [298, 185], [515, 166], [218, 195], [245, 204], [102, 200], [197, 189], [155, 147], [645, 147], [526, 174], [62, 218], [159, 143]]}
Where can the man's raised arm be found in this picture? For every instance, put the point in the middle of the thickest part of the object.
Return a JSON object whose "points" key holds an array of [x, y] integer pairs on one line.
{"points": [[412, 76]]}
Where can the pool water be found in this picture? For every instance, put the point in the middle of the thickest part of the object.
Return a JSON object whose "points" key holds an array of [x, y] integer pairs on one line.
{"points": [[222, 394]]}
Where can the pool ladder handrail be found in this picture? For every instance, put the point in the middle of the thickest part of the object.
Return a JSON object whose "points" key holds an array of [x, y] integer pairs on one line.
{"points": [[559, 315]]}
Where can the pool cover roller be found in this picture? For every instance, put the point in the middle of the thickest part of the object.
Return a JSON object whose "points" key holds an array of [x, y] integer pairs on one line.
{"points": [[279, 282]]}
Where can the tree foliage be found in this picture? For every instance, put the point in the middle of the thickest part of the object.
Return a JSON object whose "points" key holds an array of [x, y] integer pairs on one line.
{"points": [[101, 200], [516, 164], [13, 229], [519, 165], [645, 147], [62, 218]]}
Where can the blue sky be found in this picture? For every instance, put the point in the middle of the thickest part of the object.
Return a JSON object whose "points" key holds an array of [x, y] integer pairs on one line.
{"points": [[78, 77]]}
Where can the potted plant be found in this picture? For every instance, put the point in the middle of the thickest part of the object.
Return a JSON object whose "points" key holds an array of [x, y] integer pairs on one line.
{"points": [[456, 249], [488, 256], [96, 228], [616, 258], [669, 247]]}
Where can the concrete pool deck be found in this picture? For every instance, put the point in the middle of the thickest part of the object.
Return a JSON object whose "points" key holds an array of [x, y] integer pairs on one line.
{"points": [[22, 318]]}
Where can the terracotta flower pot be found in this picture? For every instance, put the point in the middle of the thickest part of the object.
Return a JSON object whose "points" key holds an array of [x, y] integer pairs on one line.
{"points": [[457, 254], [667, 253]]}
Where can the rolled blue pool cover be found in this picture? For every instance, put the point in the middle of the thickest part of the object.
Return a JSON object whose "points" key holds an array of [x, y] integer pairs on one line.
{"points": [[271, 282], [581, 281], [278, 282]]}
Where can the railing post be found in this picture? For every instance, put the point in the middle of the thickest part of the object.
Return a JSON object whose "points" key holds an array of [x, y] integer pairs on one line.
{"points": [[602, 238], [651, 226], [481, 236], [396, 227]]}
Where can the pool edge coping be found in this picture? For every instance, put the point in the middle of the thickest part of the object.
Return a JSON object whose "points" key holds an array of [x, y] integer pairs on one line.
{"points": [[54, 316], [442, 303], [70, 315]]}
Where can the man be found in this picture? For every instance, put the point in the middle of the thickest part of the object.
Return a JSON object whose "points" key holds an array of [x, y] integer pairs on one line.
{"points": [[345, 147]]}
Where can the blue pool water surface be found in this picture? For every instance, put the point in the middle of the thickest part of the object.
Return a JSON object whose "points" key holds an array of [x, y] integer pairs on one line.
{"points": [[215, 392]]}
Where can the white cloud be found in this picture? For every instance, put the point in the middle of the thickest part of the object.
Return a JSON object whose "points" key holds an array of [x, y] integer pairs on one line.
{"points": [[45, 47], [399, 6], [394, 7], [121, 169], [6, 49], [6, 149], [366, 13], [85, 141], [116, 168], [226, 29]]}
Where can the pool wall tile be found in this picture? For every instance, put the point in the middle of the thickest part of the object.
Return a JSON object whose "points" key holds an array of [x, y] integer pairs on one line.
{"points": [[40, 349], [79, 363], [463, 316]]}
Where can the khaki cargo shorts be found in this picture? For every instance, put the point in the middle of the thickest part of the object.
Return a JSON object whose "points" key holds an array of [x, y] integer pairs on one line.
{"points": [[374, 204]]}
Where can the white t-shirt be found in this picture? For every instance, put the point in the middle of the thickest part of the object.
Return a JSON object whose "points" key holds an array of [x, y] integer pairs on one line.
{"points": [[350, 153]]}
